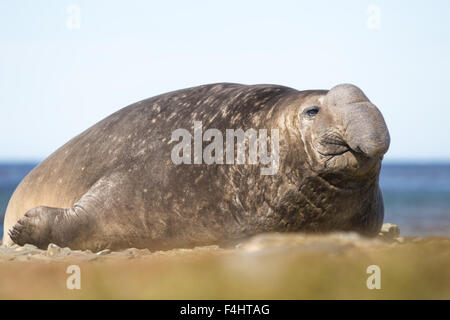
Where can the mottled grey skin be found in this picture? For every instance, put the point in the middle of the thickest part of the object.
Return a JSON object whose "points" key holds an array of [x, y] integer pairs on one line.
{"points": [[115, 186]]}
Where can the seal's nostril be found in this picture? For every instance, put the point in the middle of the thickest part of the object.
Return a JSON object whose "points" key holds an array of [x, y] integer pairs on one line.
{"points": [[373, 151]]}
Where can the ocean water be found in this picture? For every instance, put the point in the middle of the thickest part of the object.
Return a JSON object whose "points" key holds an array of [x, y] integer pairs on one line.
{"points": [[416, 196]]}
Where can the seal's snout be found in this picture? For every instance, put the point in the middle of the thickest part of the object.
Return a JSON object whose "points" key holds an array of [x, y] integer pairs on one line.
{"points": [[366, 132]]}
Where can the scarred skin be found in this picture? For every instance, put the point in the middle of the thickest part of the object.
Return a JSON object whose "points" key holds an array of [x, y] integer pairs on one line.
{"points": [[115, 185]]}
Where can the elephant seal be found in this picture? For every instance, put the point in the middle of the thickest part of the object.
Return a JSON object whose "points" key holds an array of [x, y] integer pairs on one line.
{"points": [[116, 185]]}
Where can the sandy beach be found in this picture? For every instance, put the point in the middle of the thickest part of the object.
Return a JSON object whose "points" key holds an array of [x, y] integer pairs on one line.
{"points": [[267, 266]]}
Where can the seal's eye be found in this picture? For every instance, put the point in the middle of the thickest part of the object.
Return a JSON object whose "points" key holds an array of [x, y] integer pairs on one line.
{"points": [[312, 111]]}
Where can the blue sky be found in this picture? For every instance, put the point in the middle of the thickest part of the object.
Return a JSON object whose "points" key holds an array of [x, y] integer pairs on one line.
{"points": [[58, 77]]}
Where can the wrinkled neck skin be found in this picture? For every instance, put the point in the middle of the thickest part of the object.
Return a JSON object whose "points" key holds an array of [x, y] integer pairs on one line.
{"points": [[334, 164]]}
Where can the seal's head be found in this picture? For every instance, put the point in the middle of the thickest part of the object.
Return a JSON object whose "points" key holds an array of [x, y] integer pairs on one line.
{"points": [[343, 132]]}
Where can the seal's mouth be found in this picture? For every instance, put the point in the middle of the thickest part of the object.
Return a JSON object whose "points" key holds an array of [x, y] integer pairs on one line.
{"points": [[331, 144], [337, 156]]}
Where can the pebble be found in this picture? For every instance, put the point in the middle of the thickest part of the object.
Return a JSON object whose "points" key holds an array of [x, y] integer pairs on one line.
{"points": [[389, 231], [53, 250], [103, 252]]}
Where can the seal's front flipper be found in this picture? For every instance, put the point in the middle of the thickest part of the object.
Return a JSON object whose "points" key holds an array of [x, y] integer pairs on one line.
{"points": [[41, 226], [97, 221]]}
